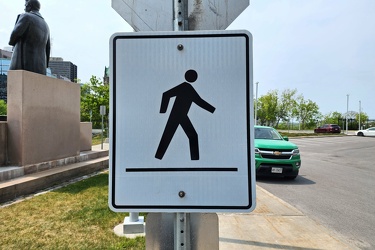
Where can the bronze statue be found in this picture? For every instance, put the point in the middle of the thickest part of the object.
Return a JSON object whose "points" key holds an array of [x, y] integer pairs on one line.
{"points": [[31, 40]]}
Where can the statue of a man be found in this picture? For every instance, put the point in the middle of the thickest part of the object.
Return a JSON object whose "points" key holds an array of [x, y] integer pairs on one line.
{"points": [[31, 40]]}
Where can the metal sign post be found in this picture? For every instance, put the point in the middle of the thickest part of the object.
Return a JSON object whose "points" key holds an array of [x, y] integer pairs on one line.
{"points": [[182, 220], [182, 231], [102, 113]]}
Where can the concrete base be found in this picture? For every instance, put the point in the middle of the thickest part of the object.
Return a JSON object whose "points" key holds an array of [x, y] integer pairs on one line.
{"points": [[131, 229], [134, 227], [43, 118]]}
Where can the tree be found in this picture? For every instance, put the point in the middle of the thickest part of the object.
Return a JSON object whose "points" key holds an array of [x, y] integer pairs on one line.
{"points": [[286, 105], [362, 118], [267, 108], [333, 118], [307, 112], [3, 107], [273, 108], [93, 95]]}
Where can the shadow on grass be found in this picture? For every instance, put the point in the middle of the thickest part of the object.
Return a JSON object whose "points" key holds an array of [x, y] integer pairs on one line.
{"points": [[97, 181]]}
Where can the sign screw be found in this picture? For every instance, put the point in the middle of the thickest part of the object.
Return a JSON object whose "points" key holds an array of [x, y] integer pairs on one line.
{"points": [[180, 47], [181, 194]]}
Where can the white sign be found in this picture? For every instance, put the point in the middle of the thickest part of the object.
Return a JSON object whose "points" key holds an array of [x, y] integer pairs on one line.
{"points": [[181, 122], [102, 110], [151, 15]]}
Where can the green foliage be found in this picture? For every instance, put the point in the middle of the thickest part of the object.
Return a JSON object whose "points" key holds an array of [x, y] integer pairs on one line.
{"points": [[3, 107], [361, 117], [279, 111], [332, 118], [286, 105], [340, 119], [274, 108], [267, 108], [307, 112], [93, 95]]}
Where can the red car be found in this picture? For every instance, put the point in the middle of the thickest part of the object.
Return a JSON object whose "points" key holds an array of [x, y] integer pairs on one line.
{"points": [[328, 128]]}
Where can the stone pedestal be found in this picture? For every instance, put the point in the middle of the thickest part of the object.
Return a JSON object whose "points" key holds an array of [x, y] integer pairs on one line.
{"points": [[43, 118], [3, 143], [86, 136]]}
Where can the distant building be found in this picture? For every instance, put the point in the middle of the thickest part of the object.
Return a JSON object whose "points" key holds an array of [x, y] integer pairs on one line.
{"points": [[6, 54], [106, 76], [5, 57], [63, 69]]}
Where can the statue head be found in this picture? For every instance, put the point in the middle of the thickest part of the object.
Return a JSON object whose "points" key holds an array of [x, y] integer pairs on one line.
{"points": [[32, 5]]}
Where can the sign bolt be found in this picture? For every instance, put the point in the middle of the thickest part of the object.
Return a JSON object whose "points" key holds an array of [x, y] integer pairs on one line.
{"points": [[180, 47], [181, 194]]}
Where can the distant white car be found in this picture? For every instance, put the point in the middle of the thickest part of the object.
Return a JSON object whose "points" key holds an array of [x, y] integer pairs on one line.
{"points": [[366, 132]]}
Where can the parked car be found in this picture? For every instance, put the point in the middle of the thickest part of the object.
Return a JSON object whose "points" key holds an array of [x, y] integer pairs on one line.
{"points": [[328, 128], [274, 154], [366, 132]]}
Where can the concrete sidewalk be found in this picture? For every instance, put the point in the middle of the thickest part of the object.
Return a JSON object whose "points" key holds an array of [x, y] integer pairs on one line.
{"points": [[275, 224]]}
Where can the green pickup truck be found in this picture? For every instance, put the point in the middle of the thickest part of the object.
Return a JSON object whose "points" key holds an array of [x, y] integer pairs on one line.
{"points": [[274, 154]]}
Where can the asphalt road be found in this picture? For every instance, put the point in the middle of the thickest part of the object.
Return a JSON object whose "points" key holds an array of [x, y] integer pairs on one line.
{"points": [[336, 186]]}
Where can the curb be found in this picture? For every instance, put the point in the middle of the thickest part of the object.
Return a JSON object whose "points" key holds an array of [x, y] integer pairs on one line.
{"points": [[32, 183]]}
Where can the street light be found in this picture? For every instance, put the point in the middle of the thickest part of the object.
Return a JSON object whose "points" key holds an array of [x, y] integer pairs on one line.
{"points": [[347, 112], [359, 117], [103, 112], [256, 102]]}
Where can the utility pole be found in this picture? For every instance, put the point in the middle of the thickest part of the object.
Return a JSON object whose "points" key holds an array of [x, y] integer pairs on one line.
{"points": [[347, 112], [256, 103], [359, 116]]}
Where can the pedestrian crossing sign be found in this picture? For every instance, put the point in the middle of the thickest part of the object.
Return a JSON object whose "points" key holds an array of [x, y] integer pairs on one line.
{"points": [[181, 122]]}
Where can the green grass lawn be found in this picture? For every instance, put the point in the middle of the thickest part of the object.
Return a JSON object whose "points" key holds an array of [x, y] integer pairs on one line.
{"points": [[97, 139], [73, 217]]}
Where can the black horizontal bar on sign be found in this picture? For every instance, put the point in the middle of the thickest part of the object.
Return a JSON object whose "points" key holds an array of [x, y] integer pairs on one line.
{"points": [[133, 170]]}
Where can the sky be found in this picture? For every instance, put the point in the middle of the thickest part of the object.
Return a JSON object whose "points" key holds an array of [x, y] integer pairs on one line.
{"points": [[323, 49]]}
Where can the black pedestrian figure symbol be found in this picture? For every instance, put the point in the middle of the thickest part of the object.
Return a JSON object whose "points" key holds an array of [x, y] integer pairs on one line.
{"points": [[185, 95]]}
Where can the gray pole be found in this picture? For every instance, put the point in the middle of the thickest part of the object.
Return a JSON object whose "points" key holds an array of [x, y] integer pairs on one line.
{"points": [[256, 102], [102, 129], [347, 112], [134, 217], [359, 116], [182, 222], [180, 17], [102, 113]]}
